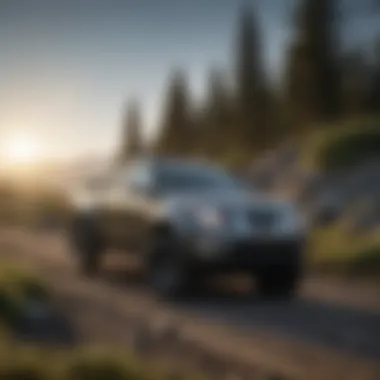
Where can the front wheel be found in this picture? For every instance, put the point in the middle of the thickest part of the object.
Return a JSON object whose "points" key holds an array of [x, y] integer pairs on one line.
{"points": [[279, 283], [168, 277], [167, 270]]}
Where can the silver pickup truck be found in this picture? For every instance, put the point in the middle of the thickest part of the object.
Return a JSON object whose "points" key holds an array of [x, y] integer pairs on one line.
{"points": [[188, 220]]}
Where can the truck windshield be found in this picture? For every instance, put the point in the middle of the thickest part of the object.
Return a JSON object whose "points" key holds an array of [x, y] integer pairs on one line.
{"points": [[186, 177]]}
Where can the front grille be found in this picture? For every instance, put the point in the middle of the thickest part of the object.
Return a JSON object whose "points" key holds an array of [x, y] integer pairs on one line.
{"points": [[257, 253], [262, 219]]}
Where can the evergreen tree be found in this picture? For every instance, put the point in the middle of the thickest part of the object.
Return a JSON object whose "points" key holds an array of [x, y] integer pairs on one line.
{"points": [[176, 129], [356, 75], [312, 79], [132, 144], [216, 116], [252, 91], [374, 91]]}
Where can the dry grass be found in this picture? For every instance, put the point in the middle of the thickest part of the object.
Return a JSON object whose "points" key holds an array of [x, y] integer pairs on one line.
{"points": [[334, 249], [19, 361], [336, 146], [18, 286]]}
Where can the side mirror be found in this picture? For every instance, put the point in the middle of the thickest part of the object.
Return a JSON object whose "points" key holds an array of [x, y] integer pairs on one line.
{"points": [[146, 191]]}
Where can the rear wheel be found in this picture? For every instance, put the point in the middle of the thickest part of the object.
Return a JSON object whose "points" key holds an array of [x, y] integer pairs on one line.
{"points": [[87, 244]]}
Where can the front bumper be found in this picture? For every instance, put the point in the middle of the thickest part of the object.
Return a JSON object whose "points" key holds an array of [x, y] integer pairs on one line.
{"points": [[250, 255]]}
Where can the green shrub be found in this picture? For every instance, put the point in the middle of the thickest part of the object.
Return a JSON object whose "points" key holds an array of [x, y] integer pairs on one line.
{"points": [[334, 249], [23, 363], [103, 366], [356, 261], [26, 363], [351, 148], [343, 144], [24, 370], [367, 261], [17, 287]]}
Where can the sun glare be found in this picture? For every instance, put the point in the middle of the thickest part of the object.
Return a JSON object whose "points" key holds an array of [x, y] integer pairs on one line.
{"points": [[21, 150]]}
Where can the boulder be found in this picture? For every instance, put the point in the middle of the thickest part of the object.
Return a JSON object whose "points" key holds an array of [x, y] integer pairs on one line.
{"points": [[364, 216]]}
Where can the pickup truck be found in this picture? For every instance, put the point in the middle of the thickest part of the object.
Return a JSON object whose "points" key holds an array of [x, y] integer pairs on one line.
{"points": [[186, 220]]}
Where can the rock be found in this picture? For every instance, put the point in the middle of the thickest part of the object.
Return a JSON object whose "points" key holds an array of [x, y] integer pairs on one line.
{"points": [[328, 209], [310, 185], [170, 336], [143, 342], [41, 324], [38, 311], [212, 365], [364, 216]]}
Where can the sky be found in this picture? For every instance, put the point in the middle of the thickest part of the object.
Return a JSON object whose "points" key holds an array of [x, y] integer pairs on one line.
{"points": [[68, 67]]}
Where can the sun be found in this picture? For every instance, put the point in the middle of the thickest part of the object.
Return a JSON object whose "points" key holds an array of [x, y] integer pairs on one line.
{"points": [[21, 150]]}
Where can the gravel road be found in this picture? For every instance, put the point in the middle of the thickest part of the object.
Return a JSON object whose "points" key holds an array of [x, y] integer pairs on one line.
{"points": [[332, 325]]}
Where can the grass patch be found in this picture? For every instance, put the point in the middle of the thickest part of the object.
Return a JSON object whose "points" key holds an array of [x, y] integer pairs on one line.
{"points": [[335, 250], [25, 363], [28, 363], [105, 364], [18, 286], [341, 145], [19, 361]]}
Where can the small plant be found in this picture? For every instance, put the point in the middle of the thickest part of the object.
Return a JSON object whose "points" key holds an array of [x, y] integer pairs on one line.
{"points": [[17, 288]]}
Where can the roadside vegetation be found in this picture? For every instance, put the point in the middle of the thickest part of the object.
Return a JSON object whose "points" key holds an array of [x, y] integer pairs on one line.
{"points": [[32, 205], [27, 363], [333, 250], [19, 287], [342, 145]]}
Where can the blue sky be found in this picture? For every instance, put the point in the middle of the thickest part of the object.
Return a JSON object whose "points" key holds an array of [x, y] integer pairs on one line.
{"points": [[67, 67]]}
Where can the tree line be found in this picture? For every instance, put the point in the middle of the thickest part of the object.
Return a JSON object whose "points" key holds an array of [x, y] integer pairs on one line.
{"points": [[321, 83]]}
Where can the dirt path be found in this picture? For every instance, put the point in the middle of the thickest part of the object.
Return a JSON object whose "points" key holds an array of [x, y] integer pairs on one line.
{"points": [[304, 339]]}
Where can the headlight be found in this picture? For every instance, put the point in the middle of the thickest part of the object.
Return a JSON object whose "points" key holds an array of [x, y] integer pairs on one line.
{"points": [[293, 221], [212, 218], [197, 216]]}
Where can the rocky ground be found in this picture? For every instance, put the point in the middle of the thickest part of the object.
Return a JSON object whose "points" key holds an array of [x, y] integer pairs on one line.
{"points": [[352, 192], [331, 332]]}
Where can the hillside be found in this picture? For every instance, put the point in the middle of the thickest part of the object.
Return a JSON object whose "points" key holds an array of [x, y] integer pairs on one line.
{"points": [[334, 175]]}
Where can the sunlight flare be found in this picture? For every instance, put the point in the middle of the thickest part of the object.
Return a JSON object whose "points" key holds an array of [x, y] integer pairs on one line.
{"points": [[21, 149]]}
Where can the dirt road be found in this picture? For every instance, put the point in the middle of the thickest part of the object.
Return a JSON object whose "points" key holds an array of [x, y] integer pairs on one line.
{"points": [[331, 331]]}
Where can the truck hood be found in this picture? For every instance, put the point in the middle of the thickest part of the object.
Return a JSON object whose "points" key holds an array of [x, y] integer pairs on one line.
{"points": [[236, 199]]}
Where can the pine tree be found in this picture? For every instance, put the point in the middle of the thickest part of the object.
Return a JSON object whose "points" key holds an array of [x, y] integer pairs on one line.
{"points": [[176, 132], [312, 79], [252, 91], [132, 144], [374, 91], [216, 126], [356, 75]]}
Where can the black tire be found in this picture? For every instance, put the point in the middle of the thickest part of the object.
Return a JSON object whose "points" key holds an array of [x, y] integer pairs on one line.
{"points": [[167, 270], [87, 245], [279, 283]]}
